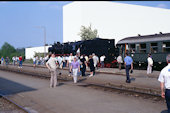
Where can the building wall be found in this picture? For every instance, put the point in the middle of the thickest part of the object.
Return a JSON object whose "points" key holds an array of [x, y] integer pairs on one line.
{"points": [[113, 20], [30, 52]]}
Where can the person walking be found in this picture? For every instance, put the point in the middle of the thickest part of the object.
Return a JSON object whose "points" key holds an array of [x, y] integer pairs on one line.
{"points": [[51, 64], [128, 65], [164, 79], [75, 68], [119, 61], [150, 64], [92, 68], [102, 60]]}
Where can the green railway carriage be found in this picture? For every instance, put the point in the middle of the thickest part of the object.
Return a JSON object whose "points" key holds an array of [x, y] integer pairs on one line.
{"points": [[139, 47]]}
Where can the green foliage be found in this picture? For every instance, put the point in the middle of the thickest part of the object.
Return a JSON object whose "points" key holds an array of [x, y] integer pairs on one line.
{"points": [[10, 51], [86, 33], [39, 54]]}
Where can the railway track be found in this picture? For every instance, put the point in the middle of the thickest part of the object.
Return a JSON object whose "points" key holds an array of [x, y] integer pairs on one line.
{"points": [[19, 108], [133, 91]]}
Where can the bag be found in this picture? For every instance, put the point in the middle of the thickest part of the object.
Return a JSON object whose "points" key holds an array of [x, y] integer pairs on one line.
{"points": [[79, 73], [131, 71]]}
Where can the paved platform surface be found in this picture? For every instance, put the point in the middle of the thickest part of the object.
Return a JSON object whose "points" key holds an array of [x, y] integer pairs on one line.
{"points": [[139, 79], [36, 96]]}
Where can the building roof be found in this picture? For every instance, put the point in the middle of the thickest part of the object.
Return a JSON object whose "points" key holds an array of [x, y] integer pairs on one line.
{"points": [[146, 38]]}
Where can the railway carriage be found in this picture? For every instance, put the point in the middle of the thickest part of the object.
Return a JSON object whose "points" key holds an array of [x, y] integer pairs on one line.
{"points": [[139, 47]]}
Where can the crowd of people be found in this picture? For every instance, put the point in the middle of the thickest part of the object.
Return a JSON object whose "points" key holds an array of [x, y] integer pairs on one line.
{"points": [[16, 60], [77, 65]]}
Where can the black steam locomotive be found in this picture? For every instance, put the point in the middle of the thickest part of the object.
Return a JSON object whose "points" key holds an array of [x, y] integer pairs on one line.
{"points": [[98, 46]]}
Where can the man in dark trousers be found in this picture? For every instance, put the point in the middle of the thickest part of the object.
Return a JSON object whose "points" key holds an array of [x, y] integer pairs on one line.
{"points": [[164, 79], [128, 65]]}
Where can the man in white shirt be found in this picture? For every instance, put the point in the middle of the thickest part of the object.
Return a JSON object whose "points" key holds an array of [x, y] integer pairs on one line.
{"points": [[14, 60], [34, 62], [41, 60], [60, 62], [119, 61], [52, 66], [150, 64], [164, 79], [17, 59], [102, 60], [78, 52], [95, 59], [70, 59]]}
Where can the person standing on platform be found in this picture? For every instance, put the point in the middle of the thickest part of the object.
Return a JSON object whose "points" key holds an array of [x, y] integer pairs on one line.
{"points": [[64, 61], [14, 60], [75, 67], [17, 59], [83, 64], [7, 61], [102, 60], [150, 64], [34, 62], [128, 65], [52, 66], [2, 60], [92, 68], [164, 79], [95, 61], [70, 59], [78, 52], [20, 62], [119, 61]]}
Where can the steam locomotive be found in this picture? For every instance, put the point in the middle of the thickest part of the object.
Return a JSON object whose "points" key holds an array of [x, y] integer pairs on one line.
{"points": [[98, 46]]}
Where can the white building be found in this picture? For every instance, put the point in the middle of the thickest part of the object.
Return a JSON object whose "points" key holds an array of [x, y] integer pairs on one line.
{"points": [[113, 20], [30, 52]]}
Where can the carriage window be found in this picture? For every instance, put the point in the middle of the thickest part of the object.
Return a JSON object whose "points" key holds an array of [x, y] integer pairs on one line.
{"points": [[142, 48], [154, 47], [132, 48], [166, 47]]}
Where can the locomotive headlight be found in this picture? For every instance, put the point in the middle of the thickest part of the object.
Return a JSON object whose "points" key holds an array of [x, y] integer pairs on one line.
{"points": [[139, 64]]}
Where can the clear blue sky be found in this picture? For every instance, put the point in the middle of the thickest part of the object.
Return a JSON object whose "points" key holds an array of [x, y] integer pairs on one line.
{"points": [[18, 21]]}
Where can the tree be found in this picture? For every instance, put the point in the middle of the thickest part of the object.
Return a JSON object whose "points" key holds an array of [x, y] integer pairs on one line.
{"points": [[86, 33], [10, 51], [6, 50]]}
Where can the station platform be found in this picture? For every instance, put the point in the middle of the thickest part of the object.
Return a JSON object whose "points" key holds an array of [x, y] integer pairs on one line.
{"points": [[140, 81], [35, 95]]}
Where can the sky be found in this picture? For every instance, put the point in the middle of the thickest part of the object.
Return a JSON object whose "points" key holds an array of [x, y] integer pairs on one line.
{"points": [[20, 21]]}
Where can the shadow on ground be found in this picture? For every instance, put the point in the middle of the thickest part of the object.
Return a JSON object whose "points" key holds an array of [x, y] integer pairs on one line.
{"points": [[164, 111], [8, 87]]}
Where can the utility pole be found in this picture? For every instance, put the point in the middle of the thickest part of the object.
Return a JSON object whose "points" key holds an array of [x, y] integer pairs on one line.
{"points": [[44, 30]]}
